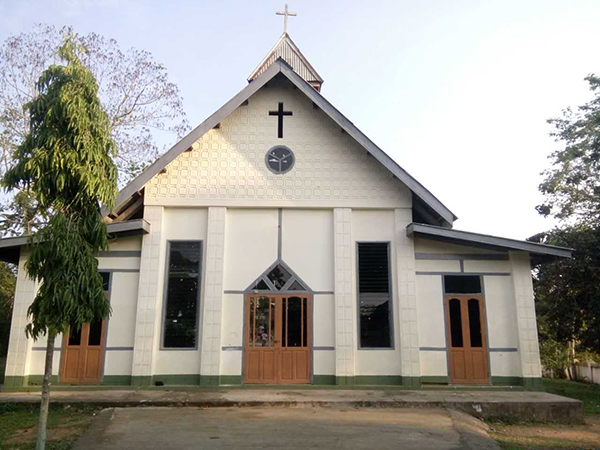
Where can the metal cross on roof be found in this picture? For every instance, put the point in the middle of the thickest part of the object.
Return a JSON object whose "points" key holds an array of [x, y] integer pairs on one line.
{"points": [[285, 15]]}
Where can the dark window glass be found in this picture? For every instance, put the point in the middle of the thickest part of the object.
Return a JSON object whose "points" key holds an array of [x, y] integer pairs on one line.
{"points": [[261, 286], [105, 280], [457, 284], [75, 336], [262, 316], [374, 295], [296, 286], [304, 322], [294, 322], [183, 287], [95, 333], [279, 276], [455, 323], [475, 323]]}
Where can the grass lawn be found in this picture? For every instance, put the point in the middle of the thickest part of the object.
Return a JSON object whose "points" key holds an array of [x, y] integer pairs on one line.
{"points": [[538, 436], [65, 425]]}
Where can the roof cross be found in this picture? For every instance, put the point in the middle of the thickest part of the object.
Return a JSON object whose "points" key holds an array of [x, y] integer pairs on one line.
{"points": [[285, 15]]}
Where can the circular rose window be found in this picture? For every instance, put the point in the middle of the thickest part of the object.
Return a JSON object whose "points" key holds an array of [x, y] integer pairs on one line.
{"points": [[280, 159]]}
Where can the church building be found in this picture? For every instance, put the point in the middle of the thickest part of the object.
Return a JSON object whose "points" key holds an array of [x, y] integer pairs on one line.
{"points": [[277, 244]]}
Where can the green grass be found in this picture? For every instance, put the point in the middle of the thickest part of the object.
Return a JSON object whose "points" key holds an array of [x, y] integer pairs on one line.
{"points": [[20, 418], [588, 393], [546, 436]]}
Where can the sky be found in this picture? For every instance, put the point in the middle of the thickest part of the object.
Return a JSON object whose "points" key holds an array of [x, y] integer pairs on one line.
{"points": [[456, 92]]}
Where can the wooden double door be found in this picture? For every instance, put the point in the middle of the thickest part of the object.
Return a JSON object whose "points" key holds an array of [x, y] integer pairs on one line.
{"points": [[83, 354], [278, 339], [467, 339]]}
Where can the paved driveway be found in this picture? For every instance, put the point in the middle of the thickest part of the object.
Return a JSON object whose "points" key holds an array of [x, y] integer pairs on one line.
{"points": [[283, 428]]}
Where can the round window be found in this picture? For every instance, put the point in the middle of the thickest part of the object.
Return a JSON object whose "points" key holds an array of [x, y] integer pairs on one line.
{"points": [[280, 159]]}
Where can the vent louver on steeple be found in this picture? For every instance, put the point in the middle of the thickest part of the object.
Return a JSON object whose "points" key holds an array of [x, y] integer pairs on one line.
{"points": [[287, 50]]}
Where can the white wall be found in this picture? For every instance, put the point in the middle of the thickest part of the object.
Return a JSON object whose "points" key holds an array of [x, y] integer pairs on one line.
{"points": [[307, 246], [232, 334], [432, 326], [324, 334], [250, 245], [502, 328]]}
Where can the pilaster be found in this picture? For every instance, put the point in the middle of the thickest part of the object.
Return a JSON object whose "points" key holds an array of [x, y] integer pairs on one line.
{"points": [[149, 296], [344, 310], [529, 350], [19, 347], [213, 296], [407, 300]]}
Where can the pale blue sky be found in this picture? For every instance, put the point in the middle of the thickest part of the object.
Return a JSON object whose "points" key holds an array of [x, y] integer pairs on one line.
{"points": [[457, 92]]}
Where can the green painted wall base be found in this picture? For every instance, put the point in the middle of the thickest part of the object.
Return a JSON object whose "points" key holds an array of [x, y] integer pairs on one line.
{"points": [[236, 380], [14, 381]]}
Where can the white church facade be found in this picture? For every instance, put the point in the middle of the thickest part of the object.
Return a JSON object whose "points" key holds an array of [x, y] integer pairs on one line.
{"points": [[276, 244]]}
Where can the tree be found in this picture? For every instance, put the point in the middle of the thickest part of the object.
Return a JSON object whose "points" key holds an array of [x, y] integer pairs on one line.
{"points": [[572, 186], [567, 292], [21, 215], [135, 92], [65, 161]]}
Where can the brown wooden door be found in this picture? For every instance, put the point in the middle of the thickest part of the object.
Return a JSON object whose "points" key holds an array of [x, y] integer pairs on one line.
{"points": [[277, 342], [467, 339], [83, 354]]}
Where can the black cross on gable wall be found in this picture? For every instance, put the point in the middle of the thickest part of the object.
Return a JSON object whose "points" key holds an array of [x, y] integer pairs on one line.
{"points": [[280, 113]]}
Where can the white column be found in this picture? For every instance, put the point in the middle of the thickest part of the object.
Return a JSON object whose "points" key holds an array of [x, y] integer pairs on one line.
{"points": [[529, 350], [407, 300], [149, 296], [19, 347], [344, 310], [213, 296]]}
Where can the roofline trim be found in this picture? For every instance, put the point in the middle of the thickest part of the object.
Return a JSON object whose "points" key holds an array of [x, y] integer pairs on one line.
{"points": [[280, 66], [425, 231], [112, 228]]}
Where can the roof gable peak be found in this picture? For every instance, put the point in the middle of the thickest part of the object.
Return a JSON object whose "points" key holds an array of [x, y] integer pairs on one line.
{"points": [[287, 50]]}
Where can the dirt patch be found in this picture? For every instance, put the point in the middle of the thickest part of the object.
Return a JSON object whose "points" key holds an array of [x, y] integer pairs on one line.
{"points": [[28, 435], [551, 436]]}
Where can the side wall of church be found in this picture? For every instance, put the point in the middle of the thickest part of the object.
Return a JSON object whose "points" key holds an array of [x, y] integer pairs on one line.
{"points": [[436, 259]]}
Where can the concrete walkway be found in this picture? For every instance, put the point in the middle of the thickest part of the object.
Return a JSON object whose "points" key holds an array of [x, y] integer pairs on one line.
{"points": [[516, 405], [303, 428]]}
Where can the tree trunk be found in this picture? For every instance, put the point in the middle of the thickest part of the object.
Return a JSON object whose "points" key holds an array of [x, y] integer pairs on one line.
{"points": [[43, 420]]}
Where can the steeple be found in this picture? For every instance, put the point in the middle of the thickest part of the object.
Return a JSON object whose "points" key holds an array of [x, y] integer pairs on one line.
{"points": [[286, 49]]}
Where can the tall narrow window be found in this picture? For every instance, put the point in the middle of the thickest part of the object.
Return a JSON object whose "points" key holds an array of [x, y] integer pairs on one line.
{"points": [[183, 293], [374, 296]]}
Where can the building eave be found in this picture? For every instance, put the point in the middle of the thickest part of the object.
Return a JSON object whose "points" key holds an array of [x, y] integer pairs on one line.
{"points": [[10, 247], [543, 252]]}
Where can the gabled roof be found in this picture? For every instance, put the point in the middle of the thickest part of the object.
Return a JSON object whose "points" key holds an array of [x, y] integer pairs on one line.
{"points": [[542, 251], [422, 196], [287, 50]]}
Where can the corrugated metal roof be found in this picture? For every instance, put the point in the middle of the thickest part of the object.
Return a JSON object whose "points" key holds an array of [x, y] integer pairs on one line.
{"points": [[287, 50]]}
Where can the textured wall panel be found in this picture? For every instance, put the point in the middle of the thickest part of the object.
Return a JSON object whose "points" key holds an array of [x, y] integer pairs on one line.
{"points": [[529, 349], [227, 165]]}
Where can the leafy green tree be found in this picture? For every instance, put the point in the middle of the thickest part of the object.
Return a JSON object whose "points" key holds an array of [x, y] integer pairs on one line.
{"points": [[567, 291], [572, 185], [65, 161]]}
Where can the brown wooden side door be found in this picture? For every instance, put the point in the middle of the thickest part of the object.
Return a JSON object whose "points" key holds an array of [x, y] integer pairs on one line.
{"points": [[83, 354], [262, 338], [294, 353], [277, 341], [467, 339]]}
